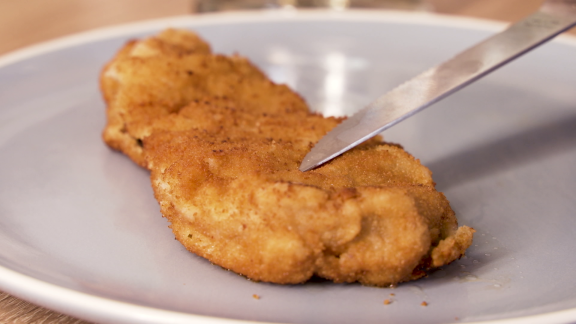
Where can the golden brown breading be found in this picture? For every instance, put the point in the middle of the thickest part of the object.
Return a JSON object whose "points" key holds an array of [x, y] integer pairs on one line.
{"points": [[224, 145], [156, 77], [372, 215]]}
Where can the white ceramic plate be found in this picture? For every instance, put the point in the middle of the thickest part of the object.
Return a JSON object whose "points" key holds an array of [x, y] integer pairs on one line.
{"points": [[81, 232]]}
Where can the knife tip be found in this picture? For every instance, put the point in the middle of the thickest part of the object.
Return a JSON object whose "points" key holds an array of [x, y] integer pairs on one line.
{"points": [[310, 161], [307, 166]]}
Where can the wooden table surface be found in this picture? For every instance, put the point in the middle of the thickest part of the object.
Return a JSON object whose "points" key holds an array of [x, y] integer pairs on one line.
{"points": [[27, 22]]}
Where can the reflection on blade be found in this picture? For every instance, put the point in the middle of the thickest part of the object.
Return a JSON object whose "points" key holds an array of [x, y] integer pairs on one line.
{"points": [[554, 17]]}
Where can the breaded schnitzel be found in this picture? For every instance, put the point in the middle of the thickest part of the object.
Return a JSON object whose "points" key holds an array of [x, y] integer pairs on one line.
{"points": [[156, 77], [224, 144]]}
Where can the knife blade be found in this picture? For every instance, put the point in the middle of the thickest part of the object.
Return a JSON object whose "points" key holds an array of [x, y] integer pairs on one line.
{"points": [[553, 18]]}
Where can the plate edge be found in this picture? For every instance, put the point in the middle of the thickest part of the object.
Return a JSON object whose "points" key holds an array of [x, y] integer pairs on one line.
{"points": [[152, 25]]}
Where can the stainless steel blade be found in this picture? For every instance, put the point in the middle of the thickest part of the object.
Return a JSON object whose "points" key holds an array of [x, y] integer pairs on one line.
{"points": [[553, 18]]}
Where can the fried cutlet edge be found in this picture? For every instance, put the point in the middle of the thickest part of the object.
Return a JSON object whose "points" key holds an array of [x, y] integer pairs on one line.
{"points": [[442, 241], [447, 249]]}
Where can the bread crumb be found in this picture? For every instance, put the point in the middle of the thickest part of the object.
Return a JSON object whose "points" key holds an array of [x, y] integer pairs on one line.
{"points": [[392, 294], [387, 302], [424, 304], [255, 296]]}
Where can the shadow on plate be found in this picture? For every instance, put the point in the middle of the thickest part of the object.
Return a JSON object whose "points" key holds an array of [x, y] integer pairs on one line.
{"points": [[506, 153]]}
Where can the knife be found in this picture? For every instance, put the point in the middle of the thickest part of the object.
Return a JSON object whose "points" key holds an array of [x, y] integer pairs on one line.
{"points": [[553, 18]]}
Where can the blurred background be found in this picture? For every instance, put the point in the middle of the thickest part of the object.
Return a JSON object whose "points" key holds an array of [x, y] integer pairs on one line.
{"points": [[27, 22], [24, 23]]}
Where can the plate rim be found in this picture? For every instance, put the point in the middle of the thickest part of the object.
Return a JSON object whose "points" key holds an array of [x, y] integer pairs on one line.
{"points": [[394, 16], [87, 306]]}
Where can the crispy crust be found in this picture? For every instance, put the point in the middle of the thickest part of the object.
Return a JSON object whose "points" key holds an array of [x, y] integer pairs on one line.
{"points": [[223, 144], [155, 78]]}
